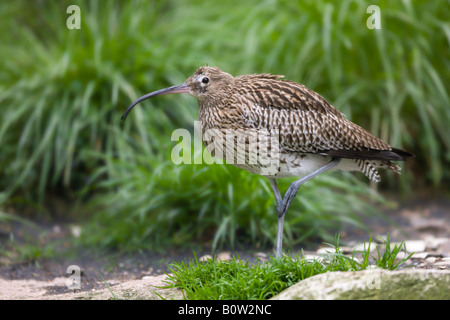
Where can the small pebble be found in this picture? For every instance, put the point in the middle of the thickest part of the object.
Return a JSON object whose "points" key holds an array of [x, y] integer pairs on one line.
{"points": [[205, 258], [415, 245], [430, 259], [262, 256], [224, 256]]}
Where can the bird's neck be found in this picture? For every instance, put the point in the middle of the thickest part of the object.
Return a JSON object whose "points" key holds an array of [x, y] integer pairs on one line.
{"points": [[214, 111], [209, 113]]}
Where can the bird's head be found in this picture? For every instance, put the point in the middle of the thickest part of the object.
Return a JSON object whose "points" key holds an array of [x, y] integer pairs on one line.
{"points": [[205, 82]]}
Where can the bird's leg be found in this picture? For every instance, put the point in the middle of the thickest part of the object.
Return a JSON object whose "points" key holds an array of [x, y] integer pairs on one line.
{"points": [[280, 214], [283, 204], [276, 192], [294, 186]]}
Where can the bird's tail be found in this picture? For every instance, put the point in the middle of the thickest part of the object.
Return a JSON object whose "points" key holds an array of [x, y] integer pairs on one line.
{"points": [[369, 168]]}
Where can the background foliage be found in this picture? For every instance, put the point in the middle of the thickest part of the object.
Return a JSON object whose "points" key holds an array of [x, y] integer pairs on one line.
{"points": [[62, 93]]}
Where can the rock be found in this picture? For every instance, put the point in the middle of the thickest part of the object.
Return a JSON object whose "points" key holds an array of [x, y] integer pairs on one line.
{"points": [[414, 245], [262, 256], [433, 243], [147, 288], [205, 258], [311, 257], [224, 256], [142, 289], [444, 262], [376, 284], [326, 250], [431, 259], [76, 231], [364, 247], [444, 247], [426, 254]]}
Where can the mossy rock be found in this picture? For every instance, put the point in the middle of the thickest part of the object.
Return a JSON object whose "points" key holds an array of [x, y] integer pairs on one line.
{"points": [[376, 284]]}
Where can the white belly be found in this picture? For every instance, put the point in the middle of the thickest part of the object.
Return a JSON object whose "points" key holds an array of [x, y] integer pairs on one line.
{"points": [[297, 165]]}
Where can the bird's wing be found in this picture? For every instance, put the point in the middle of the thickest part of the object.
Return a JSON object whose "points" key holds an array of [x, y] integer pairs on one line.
{"points": [[270, 91], [305, 121]]}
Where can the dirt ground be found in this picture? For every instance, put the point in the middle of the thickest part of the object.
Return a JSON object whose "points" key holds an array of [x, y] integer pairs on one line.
{"points": [[424, 222]]}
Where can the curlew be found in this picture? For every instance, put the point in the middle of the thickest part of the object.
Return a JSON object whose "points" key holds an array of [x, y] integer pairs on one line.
{"points": [[279, 128]]}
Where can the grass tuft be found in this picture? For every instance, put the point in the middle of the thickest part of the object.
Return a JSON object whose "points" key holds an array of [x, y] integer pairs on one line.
{"points": [[240, 280]]}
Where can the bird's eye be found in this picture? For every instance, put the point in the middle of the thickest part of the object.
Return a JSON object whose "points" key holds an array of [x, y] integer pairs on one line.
{"points": [[205, 80]]}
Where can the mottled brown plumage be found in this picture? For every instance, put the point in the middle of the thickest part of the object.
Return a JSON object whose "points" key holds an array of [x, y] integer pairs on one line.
{"points": [[306, 122], [279, 128]]}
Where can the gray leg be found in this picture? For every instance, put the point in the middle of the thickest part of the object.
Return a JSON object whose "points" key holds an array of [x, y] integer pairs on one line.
{"points": [[276, 192], [283, 204], [280, 215]]}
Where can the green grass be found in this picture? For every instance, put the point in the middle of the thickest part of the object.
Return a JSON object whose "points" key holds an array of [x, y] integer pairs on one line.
{"points": [[63, 92], [240, 280], [109, 288], [161, 204]]}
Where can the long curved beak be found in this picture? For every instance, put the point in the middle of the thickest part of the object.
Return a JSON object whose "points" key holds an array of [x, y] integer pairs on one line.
{"points": [[181, 88]]}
